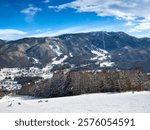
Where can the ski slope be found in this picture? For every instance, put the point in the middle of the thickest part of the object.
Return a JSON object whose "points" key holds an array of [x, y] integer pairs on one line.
{"points": [[138, 102]]}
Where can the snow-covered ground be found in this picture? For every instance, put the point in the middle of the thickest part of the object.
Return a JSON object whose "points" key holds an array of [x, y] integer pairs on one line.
{"points": [[103, 58], [119, 102]]}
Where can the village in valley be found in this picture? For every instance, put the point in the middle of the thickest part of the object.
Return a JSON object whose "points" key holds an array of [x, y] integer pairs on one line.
{"points": [[7, 76]]}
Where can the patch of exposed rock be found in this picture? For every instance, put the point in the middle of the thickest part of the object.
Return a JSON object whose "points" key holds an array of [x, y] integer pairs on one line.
{"points": [[1, 94]]}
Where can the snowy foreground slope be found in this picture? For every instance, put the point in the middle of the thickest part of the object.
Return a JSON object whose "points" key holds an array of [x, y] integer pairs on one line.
{"points": [[119, 102]]}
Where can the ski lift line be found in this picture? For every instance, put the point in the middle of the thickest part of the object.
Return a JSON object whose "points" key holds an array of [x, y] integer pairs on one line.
{"points": [[103, 39]]}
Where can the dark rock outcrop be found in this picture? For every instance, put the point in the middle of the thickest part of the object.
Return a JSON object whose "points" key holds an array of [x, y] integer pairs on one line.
{"points": [[2, 94]]}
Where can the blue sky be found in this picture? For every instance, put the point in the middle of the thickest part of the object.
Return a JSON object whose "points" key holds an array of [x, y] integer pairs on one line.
{"points": [[38, 18]]}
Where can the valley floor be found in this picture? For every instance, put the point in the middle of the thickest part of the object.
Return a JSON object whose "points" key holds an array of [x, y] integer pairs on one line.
{"points": [[138, 102]]}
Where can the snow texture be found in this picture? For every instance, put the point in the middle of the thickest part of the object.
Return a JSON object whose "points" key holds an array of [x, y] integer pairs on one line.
{"points": [[137, 102], [55, 62], [36, 61], [102, 57], [49, 66]]}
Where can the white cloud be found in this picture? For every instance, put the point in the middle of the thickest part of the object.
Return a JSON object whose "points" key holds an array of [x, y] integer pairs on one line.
{"points": [[30, 11], [134, 12], [142, 25], [78, 29], [75, 29], [46, 1], [11, 34]]}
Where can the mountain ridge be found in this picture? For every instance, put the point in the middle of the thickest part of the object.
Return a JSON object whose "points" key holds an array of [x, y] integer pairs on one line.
{"points": [[93, 50]]}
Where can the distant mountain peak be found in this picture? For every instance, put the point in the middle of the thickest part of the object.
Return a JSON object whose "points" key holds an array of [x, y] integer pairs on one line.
{"points": [[78, 51]]}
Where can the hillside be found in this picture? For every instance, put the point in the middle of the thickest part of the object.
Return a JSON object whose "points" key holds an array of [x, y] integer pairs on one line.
{"points": [[137, 102], [94, 50]]}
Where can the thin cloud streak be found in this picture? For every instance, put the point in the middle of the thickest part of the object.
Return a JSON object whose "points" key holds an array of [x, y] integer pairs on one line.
{"points": [[71, 30], [135, 12], [30, 12], [11, 34]]}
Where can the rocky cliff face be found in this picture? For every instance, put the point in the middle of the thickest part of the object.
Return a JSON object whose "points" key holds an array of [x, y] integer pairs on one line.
{"points": [[81, 82], [84, 51]]}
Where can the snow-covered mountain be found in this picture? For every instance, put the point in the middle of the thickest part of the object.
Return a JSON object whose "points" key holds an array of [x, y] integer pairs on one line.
{"points": [[84, 51]]}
